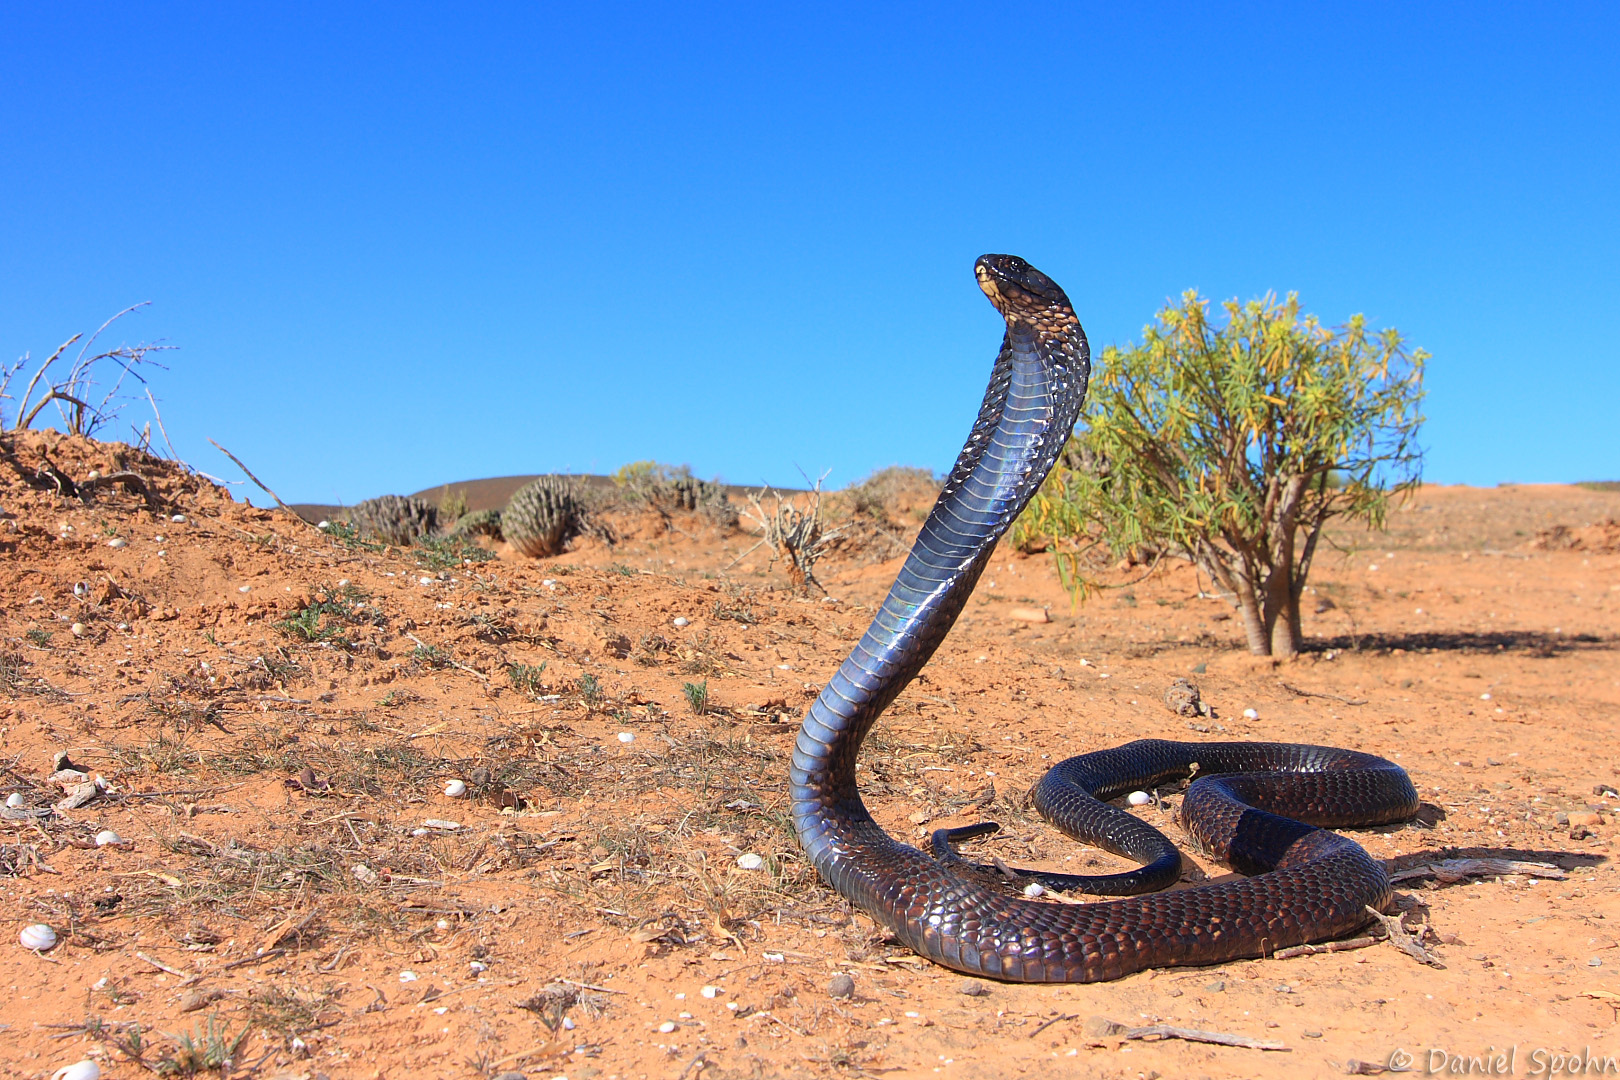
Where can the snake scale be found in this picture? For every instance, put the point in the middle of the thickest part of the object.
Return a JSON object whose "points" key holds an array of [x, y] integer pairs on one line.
{"points": [[1248, 807]]}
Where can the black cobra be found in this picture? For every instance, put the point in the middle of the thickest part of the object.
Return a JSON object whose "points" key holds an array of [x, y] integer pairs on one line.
{"points": [[1310, 884]]}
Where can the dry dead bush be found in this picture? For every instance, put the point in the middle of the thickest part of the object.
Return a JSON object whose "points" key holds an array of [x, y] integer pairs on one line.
{"points": [[792, 532]]}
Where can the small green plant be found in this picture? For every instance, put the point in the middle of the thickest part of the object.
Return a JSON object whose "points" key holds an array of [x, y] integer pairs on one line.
{"points": [[622, 569], [39, 636], [527, 678], [212, 1049], [431, 655], [452, 503], [306, 625], [346, 535], [697, 696], [590, 689], [443, 552]]}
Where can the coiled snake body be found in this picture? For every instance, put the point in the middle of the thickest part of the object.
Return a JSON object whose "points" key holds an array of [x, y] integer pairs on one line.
{"points": [[1248, 807]]}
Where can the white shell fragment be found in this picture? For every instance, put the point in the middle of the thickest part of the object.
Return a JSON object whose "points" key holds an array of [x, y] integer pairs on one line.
{"points": [[751, 861], [180, 519], [79, 1070], [666, 1027], [16, 801], [37, 937], [441, 825], [627, 736], [1138, 798], [710, 991], [1251, 714], [107, 836], [455, 789], [1033, 889], [117, 542], [77, 629], [681, 621]]}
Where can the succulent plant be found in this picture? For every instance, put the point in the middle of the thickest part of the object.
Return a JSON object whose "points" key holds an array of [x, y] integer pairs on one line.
{"points": [[542, 516], [478, 523], [394, 519]]}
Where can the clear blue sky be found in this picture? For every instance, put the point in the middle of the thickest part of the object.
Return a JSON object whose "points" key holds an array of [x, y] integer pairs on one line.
{"points": [[401, 245]]}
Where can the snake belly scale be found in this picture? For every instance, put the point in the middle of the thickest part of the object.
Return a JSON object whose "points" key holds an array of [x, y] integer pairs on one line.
{"points": [[1248, 807]]}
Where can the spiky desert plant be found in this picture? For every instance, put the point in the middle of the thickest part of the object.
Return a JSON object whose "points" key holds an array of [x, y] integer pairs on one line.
{"points": [[478, 523], [394, 519], [667, 488], [542, 516]]}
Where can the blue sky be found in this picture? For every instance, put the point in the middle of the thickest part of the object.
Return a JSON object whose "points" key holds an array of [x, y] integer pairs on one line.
{"points": [[402, 245]]}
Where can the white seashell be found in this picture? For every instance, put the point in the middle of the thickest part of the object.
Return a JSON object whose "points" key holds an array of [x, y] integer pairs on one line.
{"points": [[107, 836], [180, 519], [77, 629], [323, 524], [751, 861], [407, 976], [477, 967], [37, 937], [627, 736], [710, 991], [81, 589], [455, 789], [79, 1070], [95, 474], [666, 1027], [568, 1023], [1033, 889], [681, 621], [244, 588], [15, 800], [1138, 798], [1251, 714], [117, 542]]}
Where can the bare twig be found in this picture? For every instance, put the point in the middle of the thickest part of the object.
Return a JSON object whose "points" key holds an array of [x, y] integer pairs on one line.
{"points": [[256, 480], [28, 393], [1454, 870], [1297, 692], [153, 401], [1403, 940], [1329, 947], [188, 976], [449, 659], [1102, 1026]]}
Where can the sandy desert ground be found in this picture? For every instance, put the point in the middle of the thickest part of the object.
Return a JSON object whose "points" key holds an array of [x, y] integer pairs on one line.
{"points": [[276, 716]]}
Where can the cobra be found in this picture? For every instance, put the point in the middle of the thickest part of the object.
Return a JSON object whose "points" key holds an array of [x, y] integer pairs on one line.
{"points": [[1263, 808]]}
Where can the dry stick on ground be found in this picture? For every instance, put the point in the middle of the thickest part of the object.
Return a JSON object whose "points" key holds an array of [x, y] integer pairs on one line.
{"points": [[1449, 871], [1314, 693], [1331, 946], [449, 659], [172, 453], [256, 480], [1102, 1026], [1402, 939]]}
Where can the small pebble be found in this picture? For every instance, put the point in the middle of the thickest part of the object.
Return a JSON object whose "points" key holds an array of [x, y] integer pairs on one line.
{"points": [[117, 542], [79, 1070], [1484, 697], [244, 588], [441, 825], [1311, 1034], [1217, 986], [107, 836], [180, 519], [666, 1027], [511, 1074], [477, 967], [77, 629], [840, 986], [1251, 714], [710, 991], [568, 1023], [95, 474], [424, 581], [682, 620], [407, 976], [751, 861], [37, 937], [15, 800], [1138, 798], [455, 789], [322, 524], [1596, 961], [627, 736], [1033, 889], [972, 988]]}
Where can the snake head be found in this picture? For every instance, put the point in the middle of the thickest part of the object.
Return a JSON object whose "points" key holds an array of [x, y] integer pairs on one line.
{"points": [[1017, 289]]}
